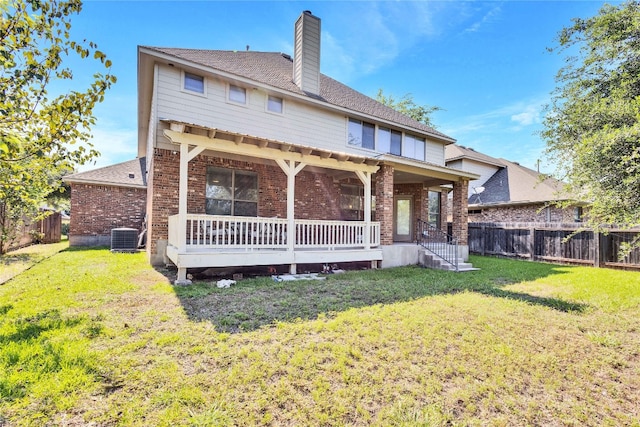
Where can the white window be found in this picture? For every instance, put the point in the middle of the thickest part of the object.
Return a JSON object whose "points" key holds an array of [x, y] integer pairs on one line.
{"points": [[193, 83], [389, 141], [237, 94], [414, 147], [361, 134], [275, 104]]}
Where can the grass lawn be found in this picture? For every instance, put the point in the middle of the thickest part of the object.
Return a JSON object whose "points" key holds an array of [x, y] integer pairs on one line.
{"points": [[15, 262], [91, 337]]}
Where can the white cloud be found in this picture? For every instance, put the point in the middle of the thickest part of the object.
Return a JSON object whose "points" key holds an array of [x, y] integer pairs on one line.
{"points": [[375, 34], [507, 131], [114, 144], [489, 17], [531, 115]]}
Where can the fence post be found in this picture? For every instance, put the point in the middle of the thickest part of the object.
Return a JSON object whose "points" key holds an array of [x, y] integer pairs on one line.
{"points": [[483, 240], [597, 253], [532, 243]]}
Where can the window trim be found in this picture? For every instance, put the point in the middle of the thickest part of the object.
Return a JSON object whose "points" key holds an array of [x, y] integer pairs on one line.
{"points": [[578, 214], [413, 139], [183, 86], [362, 126], [352, 193], [233, 198], [392, 132], [246, 95], [266, 107], [438, 215]]}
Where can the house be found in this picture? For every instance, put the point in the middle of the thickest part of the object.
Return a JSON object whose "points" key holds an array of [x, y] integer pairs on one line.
{"points": [[106, 198], [256, 158], [509, 192]]}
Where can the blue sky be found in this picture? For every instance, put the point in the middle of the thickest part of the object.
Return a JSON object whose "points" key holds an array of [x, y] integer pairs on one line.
{"points": [[485, 63]]}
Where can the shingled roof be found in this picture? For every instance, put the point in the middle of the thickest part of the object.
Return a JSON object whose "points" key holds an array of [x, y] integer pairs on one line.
{"points": [[127, 174], [516, 184], [276, 70], [456, 152]]}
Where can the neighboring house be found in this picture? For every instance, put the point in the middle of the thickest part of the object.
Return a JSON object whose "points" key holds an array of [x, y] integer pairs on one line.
{"points": [[509, 192], [256, 158], [103, 199]]}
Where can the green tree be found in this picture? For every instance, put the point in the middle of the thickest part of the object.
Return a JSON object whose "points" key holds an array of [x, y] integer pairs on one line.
{"points": [[407, 106], [592, 125], [42, 136]]}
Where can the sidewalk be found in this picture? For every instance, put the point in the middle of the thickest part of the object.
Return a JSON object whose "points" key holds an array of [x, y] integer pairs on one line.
{"points": [[15, 262]]}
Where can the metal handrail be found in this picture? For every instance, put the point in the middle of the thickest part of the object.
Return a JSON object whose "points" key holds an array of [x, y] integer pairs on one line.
{"points": [[437, 242]]}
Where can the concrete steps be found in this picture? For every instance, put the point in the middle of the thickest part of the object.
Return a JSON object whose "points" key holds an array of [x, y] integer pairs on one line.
{"points": [[428, 259]]}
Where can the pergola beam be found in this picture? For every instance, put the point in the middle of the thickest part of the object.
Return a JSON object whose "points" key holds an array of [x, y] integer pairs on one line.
{"points": [[245, 149]]}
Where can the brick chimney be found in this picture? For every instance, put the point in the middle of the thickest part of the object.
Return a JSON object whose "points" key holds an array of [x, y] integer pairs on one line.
{"points": [[306, 62]]}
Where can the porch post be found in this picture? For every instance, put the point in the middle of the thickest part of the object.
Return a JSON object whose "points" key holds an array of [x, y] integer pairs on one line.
{"points": [[365, 177], [290, 169], [185, 156], [182, 211], [461, 211], [384, 203]]}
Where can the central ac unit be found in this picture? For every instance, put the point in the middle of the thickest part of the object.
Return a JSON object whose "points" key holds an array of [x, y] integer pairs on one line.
{"points": [[124, 240]]}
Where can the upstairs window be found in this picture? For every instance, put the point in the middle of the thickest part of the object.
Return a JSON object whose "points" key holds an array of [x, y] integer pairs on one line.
{"points": [[414, 147], [361, 134], [389, 141], [275, 104], [231, 192], [193, 83], [237, 94]]}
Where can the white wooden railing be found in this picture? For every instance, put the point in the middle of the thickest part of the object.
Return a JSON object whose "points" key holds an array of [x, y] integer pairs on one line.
{"points": [[236, 232]]}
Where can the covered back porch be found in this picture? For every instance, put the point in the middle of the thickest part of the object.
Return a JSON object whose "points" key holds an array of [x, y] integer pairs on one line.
{"points": [[294, 219], [276, 235]]}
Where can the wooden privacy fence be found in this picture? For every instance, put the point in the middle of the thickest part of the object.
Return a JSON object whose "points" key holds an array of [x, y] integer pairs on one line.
{"points": [[46, 230], [554, 242]]}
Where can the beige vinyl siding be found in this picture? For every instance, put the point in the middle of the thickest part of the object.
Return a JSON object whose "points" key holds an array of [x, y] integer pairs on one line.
{"points": [[435, 152], [300, 124]]}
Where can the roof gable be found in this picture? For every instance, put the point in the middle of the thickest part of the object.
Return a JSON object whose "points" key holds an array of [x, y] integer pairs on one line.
{"points": [[126, 174], [514, 183], [276, 70], [458, 152]]}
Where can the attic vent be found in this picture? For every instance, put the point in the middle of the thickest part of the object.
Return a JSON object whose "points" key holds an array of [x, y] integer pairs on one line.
{"points": [[124, 240], [286, 56], [132, 176]]}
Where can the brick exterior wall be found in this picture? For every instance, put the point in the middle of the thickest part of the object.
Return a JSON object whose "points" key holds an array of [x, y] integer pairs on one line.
{"points": [[96, 209], [384, 203], [523, 213], [460, 213], [317, 195]]}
